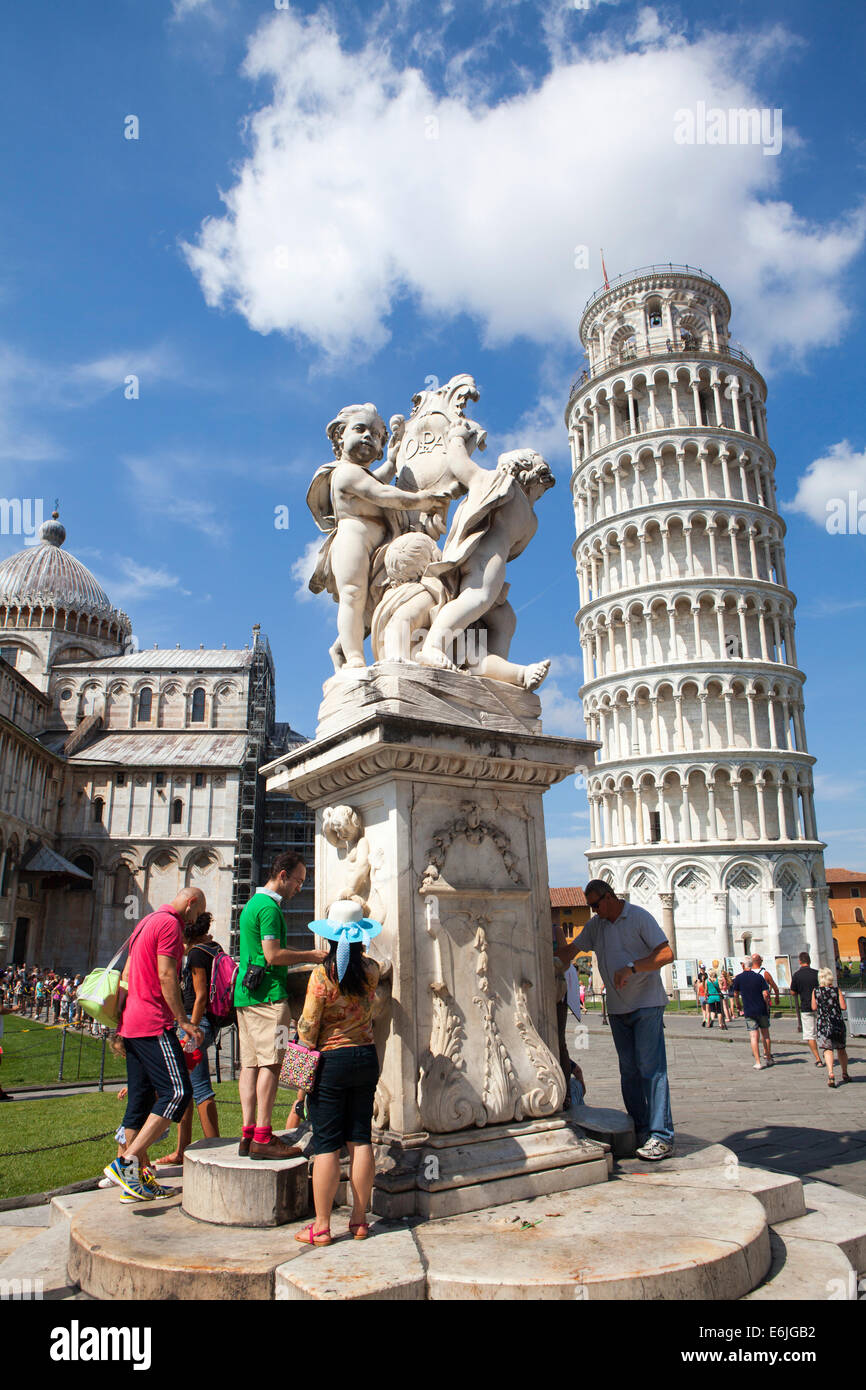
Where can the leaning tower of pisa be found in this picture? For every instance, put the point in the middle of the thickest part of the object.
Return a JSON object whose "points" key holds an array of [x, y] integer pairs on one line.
{"points": [[701, 800]]}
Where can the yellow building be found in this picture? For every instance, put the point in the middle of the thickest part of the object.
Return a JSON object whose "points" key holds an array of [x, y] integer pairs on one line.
{"points": [[569, 910], [847, 903]]}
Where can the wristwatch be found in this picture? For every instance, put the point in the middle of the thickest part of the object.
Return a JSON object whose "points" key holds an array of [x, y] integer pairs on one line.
{"points": [[632, 967]]}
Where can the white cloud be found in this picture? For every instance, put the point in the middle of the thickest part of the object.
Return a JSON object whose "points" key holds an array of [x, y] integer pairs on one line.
{"points": [[302, 572], [561, 713], [182, 9], [157, 489], [829, 480], [364, 186], [29, 386], [137, 581], [566, 860]]}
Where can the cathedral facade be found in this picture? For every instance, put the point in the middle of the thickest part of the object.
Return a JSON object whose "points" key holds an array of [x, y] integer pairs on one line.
{"points": [[125, 774]]}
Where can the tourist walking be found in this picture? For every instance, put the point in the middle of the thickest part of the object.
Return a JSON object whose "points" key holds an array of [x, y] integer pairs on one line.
{"points": [[804, 982], [337, 1021], [726, 985], [261, 1000], [750, 990], [714, 1001], [631, 949], [156, 1073], [828, 1001], [201, 951], [701, 996], [757, 963]]}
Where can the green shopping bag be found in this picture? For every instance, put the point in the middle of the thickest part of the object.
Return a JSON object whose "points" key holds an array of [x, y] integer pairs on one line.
{"points": [[97, 993]]}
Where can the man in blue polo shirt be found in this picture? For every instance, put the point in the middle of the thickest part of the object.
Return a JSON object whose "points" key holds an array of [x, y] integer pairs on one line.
{"points": [[631, 949]]}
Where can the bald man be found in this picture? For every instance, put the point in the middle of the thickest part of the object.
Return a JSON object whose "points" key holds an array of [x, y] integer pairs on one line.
{"points": [[156, 1072]]}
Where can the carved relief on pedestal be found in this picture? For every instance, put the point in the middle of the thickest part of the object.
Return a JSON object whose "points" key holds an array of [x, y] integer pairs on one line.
{"points": [[547, 1097], [501, 1093], [446, 1100], [469, 826]]}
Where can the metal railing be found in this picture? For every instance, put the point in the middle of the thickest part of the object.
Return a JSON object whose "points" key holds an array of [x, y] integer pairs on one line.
{"points": [[643, 270], [682, 348]]}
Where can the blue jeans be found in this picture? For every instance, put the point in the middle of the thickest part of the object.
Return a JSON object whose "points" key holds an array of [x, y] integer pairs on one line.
{"points": [[643, 1070]]}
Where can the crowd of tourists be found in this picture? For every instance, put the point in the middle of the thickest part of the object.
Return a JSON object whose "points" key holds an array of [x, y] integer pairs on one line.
{"points": [[43, 994]]}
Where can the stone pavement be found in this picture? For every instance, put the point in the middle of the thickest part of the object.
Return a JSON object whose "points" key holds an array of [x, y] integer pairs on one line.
{"points": [[784, 1118]]}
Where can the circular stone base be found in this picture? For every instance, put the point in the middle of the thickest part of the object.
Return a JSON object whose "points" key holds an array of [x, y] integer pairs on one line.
{"points": [[619, 1240], [224, 1189]]}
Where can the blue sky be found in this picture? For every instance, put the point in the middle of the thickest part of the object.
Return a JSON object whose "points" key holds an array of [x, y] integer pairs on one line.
{"points": [[326, 205]]}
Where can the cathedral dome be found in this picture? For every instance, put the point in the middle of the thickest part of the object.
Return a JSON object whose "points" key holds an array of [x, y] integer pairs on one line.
{"points": [[47, 576]]}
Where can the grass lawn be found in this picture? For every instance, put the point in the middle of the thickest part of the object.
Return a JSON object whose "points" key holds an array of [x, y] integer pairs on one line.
{"points": [[31, 1055], [31, 1124]]}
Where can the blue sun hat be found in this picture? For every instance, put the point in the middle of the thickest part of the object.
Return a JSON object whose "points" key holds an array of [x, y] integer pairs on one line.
{"points": [[345, 924]]}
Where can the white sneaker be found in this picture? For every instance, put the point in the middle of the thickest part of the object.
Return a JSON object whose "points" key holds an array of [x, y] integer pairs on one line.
{"points": [[655, 1149], [758, 1066]]}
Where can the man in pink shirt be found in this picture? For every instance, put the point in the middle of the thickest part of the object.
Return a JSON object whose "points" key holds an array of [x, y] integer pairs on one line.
{"points": [[159, 1088]]}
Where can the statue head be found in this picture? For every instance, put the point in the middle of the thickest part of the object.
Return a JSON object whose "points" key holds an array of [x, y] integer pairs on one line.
{"points": [[532, 472], [359, 433], [408, 556], [341, 825]]}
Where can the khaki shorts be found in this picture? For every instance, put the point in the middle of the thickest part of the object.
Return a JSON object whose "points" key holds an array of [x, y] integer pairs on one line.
{"points": [[808, 1022], [263, 1032]]}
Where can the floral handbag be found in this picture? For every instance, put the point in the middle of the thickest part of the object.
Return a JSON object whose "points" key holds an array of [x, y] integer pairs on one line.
{"points": [[298, 1072]]}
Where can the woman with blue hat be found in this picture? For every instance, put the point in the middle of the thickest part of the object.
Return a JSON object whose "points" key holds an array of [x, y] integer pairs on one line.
{"points": [[338, 1022]]}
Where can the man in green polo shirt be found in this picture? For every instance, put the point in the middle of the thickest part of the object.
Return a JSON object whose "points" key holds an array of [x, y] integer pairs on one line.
{"points": [[262, 1004]]}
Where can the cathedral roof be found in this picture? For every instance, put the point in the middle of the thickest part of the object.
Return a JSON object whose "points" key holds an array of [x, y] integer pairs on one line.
{"points": [[169, 659], [47, 576], [166, 748]]}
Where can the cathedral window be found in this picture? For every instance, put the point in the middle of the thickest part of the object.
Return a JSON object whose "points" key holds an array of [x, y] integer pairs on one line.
{"points": [[98, 808], [176, 811], [655, 827], [120, 779], [159, 779], [197, 715], [145, 705], [199, 779]]}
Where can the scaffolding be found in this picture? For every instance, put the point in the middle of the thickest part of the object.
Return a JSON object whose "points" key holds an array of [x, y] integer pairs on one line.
{"points": [[261, 716]]}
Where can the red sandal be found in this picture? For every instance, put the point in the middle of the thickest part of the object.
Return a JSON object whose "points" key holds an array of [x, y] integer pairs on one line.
{"points": [[361, 1229], [310, 1236]]}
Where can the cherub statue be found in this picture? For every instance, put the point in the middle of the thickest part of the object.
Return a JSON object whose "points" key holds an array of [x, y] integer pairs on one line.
{"points": [[343, 828], [493, 525], [356, 508], [416, 595]]}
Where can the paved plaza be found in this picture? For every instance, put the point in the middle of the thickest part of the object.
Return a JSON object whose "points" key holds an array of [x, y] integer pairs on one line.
{"points": [[785, 1118]]}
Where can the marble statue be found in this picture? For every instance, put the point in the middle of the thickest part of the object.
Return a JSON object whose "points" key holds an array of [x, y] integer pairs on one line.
{"points": [[446, 609], [355, 506]]}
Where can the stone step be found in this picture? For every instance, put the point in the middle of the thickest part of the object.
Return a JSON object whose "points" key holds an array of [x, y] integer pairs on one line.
{"points": [[780, 1194], [832, 1215], [154, 1250], [221, 1187], [621, 1241], [38, 1269], [386, 1266], [612, 1127], [805, 1270]]}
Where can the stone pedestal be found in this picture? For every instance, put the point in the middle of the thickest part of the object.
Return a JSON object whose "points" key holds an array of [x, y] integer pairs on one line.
{"points": [[222, 1188], [446, 773]]}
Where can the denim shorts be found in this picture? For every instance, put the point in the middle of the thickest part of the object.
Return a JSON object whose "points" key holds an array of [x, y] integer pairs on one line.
{"points": [[758, 1021], [202, 1089], [341, 1102]]}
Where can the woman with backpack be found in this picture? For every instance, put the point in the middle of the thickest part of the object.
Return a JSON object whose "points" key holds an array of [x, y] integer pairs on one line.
{"points": [[201, 954]]}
